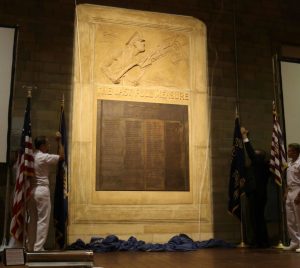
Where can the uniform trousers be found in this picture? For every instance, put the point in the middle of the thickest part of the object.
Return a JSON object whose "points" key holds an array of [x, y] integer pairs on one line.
{"points": [[293, 216], [39, 211]]}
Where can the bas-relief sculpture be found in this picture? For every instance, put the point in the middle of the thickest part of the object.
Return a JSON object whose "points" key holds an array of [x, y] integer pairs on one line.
{"points": [[140, 58], [134, 56]]}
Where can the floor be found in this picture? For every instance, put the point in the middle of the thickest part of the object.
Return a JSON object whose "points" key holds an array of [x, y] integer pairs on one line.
{"points": [[206, 258]]}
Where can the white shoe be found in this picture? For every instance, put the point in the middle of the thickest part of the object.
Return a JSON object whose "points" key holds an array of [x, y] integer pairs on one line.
{"points": [[292, 247], [298, 250]]}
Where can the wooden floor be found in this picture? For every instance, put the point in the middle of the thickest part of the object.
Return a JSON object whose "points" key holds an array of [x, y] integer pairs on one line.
{"points": [[206, 258]]}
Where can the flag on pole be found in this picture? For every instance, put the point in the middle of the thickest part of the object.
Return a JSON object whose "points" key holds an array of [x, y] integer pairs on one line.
{"points": [[278, 161], [237, 171], [25, 171], [61, 188]]}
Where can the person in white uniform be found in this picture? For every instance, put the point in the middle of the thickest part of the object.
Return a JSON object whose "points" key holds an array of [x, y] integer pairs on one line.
{"points": [[41, 203], [292, 202]]}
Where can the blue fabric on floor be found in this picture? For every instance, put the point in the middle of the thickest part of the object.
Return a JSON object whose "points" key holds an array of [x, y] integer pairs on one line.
{"points": [[179, 242]]}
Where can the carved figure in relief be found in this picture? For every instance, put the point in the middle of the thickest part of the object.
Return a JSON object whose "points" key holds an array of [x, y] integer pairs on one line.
{"points": [[134, 55]]}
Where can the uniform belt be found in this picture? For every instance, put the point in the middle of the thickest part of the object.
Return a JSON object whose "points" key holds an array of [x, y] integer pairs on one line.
{"points": [[292, 188]]}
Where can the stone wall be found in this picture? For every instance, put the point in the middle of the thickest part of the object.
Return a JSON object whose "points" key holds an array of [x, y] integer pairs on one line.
{"points": [[45, 53]]}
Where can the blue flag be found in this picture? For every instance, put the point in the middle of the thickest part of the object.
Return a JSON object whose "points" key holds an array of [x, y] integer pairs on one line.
{"points": [[60, 213], [237, 172]]}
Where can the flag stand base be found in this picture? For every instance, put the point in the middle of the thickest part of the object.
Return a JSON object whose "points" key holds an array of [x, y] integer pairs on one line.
{"points": [[279, 245], [242, 245], [3, 245], [65, 258]]}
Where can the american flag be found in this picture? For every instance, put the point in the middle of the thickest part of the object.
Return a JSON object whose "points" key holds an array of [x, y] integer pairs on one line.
{"points": [[278, 161], [24, 172]]}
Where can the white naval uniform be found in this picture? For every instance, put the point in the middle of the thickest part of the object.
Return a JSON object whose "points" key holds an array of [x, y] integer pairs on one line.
{"points": [[40, 214], [293, 210]]}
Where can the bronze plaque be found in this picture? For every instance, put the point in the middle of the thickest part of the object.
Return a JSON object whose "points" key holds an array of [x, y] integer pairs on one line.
{"points": [[142, 146]]}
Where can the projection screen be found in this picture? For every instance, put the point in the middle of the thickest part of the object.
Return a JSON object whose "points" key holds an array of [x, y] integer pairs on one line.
{"points": [[7, 40], [290, 78]]}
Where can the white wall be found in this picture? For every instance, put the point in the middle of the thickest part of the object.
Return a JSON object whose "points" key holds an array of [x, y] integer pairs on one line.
{"points": [[290, 74], [6, 63]]}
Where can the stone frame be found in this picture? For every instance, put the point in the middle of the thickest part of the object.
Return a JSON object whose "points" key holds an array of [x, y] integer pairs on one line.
{"points": [[154, 215]]}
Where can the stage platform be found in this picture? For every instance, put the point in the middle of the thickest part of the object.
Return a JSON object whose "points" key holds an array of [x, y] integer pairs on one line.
{"points": [[206, 258]]}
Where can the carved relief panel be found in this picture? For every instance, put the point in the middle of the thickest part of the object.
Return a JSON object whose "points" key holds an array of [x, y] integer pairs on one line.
{"points": [[136, 56]]}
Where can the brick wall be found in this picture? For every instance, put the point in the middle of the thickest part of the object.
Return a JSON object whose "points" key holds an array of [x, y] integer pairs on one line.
{"points": [[45, 51]]}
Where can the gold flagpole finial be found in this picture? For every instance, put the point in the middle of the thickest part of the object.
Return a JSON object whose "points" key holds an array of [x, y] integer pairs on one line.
{"points": [[274, 108], [29, 90], [63, 100], [236, 111], [29, 93]]}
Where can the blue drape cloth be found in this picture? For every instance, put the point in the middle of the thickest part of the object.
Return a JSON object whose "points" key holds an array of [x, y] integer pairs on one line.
{"points": [[179, 242]]}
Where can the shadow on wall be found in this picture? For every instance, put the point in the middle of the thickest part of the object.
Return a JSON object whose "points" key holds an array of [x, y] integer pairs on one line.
{"points": [[2, 196]]}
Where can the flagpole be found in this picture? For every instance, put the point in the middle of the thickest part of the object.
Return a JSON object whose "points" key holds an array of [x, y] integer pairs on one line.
{"points": [[278, 188], [282, 221], [242, 243], [62, 107], [60, 196], [25, 211], [61, 119], [281, 224], [275, 82], [29, 90]]}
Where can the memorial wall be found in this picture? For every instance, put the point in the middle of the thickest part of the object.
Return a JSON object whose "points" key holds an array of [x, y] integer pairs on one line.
{"points": [[140, 148]]}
